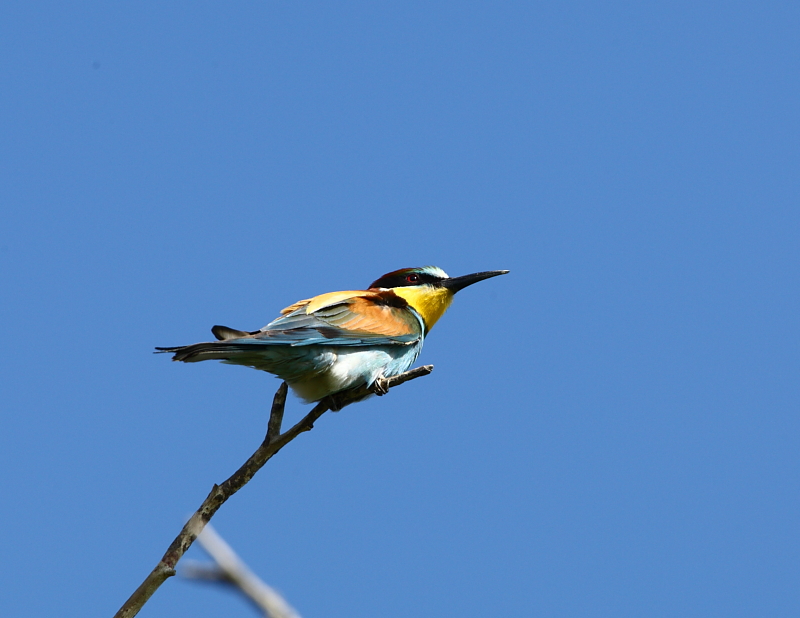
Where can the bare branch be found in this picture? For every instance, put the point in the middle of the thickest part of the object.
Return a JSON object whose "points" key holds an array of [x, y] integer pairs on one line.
{"points": [[210, 572], [273, 442], [230, 569]]}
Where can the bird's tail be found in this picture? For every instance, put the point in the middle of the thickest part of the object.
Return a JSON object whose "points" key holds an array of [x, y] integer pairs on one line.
{"points": [[223, 349], [198, 351]]}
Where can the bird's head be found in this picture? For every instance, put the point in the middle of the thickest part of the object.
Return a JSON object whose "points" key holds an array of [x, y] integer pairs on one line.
{"points": [[429, 290]]}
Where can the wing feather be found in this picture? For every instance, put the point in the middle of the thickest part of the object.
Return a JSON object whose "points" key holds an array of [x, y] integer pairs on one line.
{"points": [[344, 318]]}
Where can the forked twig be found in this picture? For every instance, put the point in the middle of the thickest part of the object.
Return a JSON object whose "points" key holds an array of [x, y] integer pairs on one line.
{"points": [[273, 442], [228, 568]]}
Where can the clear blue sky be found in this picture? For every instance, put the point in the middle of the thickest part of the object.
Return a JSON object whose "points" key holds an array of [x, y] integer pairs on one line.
{"points": [[611, 430]]}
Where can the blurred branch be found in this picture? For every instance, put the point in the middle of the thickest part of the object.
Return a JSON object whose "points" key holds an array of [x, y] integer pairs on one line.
{"points": [[229, 569], [273, 442]]}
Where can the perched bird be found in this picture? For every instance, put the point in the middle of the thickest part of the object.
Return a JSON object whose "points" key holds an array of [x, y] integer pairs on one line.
{"points": [[340, 340]]}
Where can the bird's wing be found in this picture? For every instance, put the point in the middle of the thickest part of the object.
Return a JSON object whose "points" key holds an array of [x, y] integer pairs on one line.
{"points": [[322, 301], [345, 318]]}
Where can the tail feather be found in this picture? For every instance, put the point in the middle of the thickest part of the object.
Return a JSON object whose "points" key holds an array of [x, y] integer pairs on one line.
{"points": [[224, 333], [287, 362], [220, 350]]}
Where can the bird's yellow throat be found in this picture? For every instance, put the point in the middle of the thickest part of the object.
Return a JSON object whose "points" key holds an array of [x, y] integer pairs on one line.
{"points": [[430, 302]]}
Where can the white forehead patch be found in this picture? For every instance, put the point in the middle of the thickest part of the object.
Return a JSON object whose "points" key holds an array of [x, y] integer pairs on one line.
{"points": [[435, 271]]}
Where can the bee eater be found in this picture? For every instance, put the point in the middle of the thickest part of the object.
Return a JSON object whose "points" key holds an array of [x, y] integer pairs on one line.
{"points": [[340, 340]]}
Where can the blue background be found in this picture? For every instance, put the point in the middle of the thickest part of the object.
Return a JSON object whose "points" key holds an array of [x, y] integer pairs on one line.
{"points": [[611, 429]]}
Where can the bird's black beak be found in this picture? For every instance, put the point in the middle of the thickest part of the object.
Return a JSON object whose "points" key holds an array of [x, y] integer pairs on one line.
{"points": [[454, 284]]}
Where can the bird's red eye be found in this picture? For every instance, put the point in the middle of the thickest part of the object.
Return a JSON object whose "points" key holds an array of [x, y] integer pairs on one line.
{"points": [[412, 278]]}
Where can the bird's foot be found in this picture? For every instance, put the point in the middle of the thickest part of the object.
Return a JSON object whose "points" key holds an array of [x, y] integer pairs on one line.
{"points": [[380, 386], [335, 402]]}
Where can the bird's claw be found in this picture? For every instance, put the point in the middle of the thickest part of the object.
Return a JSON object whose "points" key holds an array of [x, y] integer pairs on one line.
{"points": [[335, 403], [380, 386]]}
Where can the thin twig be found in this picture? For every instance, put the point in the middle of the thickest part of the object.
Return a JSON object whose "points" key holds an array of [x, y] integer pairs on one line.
{"points": [[229, 568], [273, 442]]}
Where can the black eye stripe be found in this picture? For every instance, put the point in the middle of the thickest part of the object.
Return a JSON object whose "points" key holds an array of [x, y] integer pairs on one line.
{"points": [[402, 279]]}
